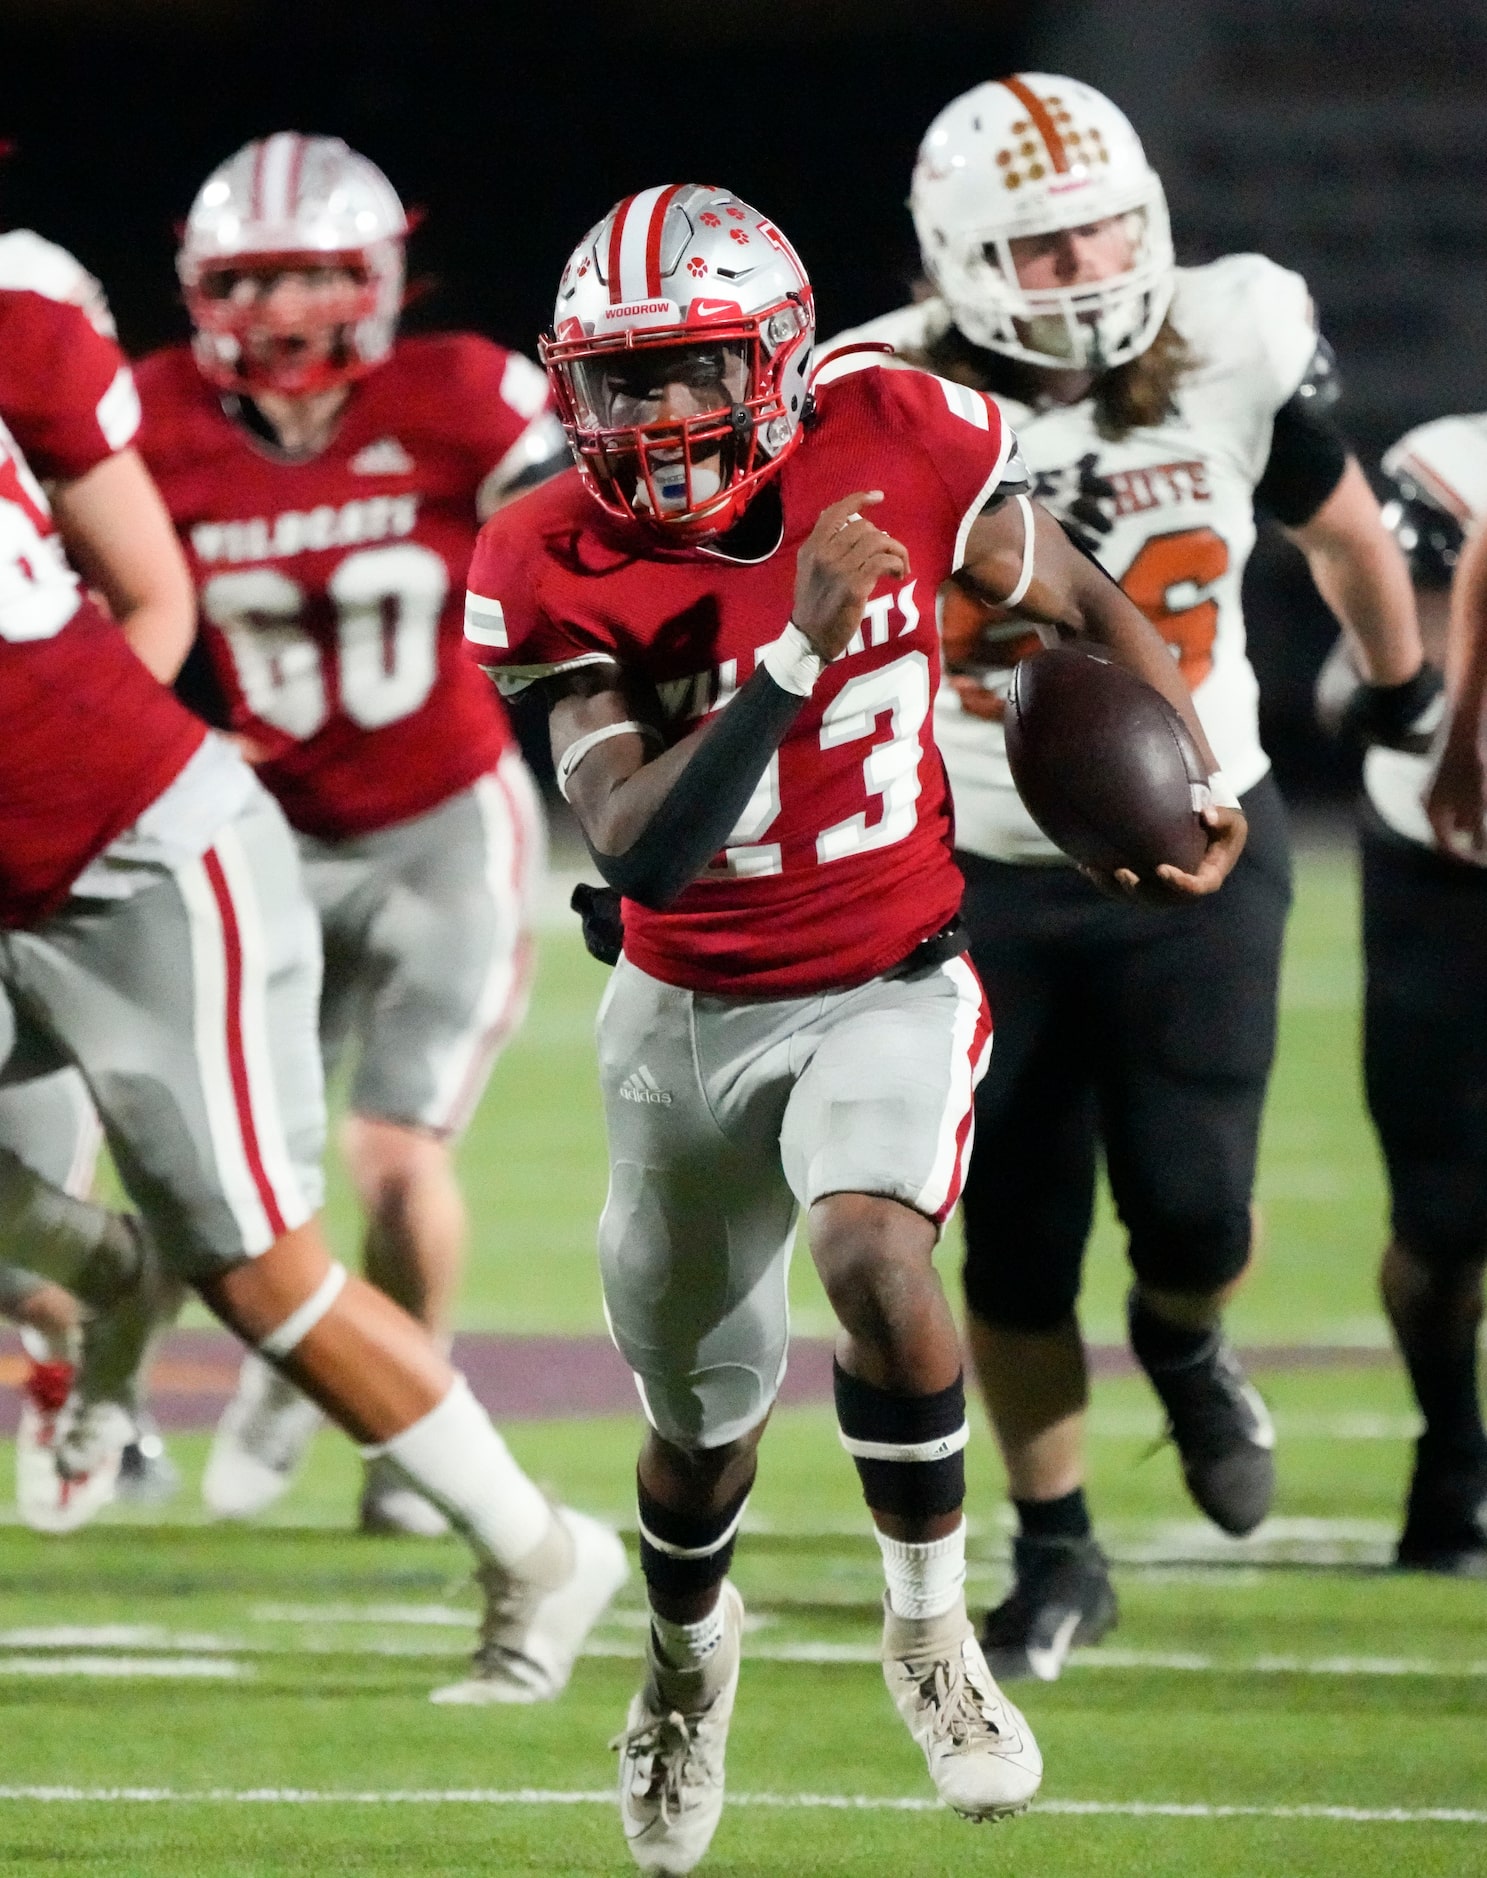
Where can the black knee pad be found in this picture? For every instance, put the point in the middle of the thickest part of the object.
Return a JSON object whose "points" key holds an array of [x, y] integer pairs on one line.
{"points": [[909, 1449], [681, 1554], [1194, 1254]]}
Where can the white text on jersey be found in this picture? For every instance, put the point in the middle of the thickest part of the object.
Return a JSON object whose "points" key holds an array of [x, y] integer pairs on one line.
{"points": [[886, 616], [302, 531]]}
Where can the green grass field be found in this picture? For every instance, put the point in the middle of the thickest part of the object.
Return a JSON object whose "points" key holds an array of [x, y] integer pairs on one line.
{"points": [[186, 1700]]}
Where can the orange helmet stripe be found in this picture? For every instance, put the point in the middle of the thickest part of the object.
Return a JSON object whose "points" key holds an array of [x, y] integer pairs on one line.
{"points": [[1058, 156]]}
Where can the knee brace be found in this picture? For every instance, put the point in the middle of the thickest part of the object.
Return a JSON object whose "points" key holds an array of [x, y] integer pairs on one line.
{"points": [[682, 1553], [299, 1323], [1198, 1255], [909, 1449]]}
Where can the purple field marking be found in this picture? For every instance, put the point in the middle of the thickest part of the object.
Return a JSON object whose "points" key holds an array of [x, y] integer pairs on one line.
{"points": [[537, 1378]]}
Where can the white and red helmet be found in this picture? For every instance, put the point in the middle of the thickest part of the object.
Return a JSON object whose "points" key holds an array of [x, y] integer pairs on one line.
{"points": [[290, 201], [684, 265], [1029, 155]]}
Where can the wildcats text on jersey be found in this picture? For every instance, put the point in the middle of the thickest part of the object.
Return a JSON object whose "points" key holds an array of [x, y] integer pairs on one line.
{"points": [[276, 537], [886, 616]]}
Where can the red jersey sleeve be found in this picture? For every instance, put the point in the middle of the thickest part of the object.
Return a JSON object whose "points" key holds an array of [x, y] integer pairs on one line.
{"points": [[961, 434], [509, 631], [70, 399]]}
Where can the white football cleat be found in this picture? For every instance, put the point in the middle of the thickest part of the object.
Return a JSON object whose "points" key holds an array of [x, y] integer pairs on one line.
{"points": [[535, 1624], [981, 1753], [47, 1499], [672, 1750], [263, 1434], [390, 1505]]}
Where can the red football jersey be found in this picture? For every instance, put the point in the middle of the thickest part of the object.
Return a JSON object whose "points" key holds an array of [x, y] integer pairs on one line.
{"points": [[88, 738], [841, 863], [330, 589]]}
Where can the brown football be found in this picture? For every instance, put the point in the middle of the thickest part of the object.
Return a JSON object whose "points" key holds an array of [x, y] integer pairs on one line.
{"points": [[1104, 764]]}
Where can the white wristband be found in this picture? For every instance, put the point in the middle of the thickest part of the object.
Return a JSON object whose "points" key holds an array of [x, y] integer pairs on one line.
{"points": [[580, 747], [1217, 792], [792, 661]]}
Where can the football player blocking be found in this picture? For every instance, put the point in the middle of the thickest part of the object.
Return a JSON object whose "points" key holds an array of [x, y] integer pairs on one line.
{"points": [[327, 479], [1155, 406], [152, 913], [739, 662]]}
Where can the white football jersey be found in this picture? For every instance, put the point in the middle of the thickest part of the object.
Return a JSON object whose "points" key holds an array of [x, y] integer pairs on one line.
{"points": [[1447, 461], [1184, 517]]}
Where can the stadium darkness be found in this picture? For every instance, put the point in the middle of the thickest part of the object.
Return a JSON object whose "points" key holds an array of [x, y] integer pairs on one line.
{"points": [[512, 134]]}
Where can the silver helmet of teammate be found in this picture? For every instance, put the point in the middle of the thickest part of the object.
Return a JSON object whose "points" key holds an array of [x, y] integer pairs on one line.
{"points": [[294, 202]]}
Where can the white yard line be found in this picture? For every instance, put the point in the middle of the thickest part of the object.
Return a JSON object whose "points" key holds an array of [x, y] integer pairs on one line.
{"points": [[221, 1668], [188, 1647], [784, 1802]]}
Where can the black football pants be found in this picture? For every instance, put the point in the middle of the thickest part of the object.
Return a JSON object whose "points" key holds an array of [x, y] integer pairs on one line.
{"points": [[1148, 1032]]}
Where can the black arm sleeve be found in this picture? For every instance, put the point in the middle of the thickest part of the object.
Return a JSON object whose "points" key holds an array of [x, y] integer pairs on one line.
{"points": [[703, 805], [1307, 459]]}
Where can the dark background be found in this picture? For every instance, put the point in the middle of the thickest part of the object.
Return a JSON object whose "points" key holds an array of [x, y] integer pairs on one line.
{"points": [[1343, 138]]}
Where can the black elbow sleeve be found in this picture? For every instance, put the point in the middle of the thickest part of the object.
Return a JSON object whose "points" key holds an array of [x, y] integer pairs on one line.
{"points": [[1308, 455]]}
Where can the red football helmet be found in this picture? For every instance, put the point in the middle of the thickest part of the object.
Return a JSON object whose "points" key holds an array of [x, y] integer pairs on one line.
{"points": [[679, 357], [299, 206]]}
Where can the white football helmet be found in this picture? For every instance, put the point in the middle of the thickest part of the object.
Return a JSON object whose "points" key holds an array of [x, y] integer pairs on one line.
{"points": [[289, 201], [1029, 155], [692, 270]]}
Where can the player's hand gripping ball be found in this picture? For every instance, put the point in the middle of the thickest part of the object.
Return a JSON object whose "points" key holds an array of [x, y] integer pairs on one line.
{"points": [[1107, 769]]}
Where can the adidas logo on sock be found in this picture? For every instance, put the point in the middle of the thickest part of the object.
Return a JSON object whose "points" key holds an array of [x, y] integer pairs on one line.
{"points": [[641, 1086], [385, 457]]}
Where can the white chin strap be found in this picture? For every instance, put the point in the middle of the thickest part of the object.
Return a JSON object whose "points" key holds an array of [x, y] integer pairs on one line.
{"points": [[298, 1325]]}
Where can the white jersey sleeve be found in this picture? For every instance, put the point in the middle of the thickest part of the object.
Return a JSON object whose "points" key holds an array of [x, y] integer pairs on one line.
{"points": [[1447, 461], [1252, 330]]}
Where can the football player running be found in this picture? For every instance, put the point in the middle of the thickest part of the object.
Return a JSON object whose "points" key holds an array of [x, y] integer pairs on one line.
{"points": [[109, 521], [155, 934], [327, 479], [1424, 844], [728, 608], [1157, 406]]}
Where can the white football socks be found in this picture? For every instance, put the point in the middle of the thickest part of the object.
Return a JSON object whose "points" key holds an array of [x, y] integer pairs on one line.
{"points": [[455, 1456], [924, 1580]]}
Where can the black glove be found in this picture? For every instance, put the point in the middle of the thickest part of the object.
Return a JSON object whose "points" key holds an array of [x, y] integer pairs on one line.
{"points": [[603, 926], [1401, 717]]}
